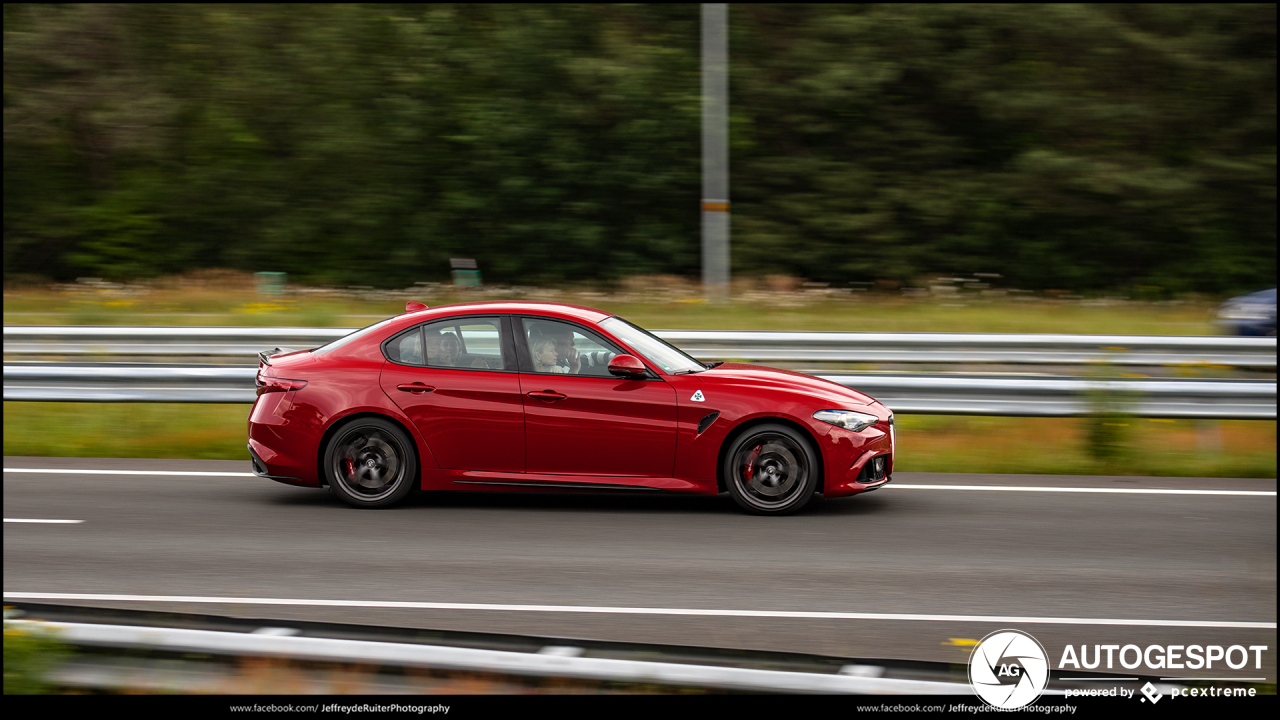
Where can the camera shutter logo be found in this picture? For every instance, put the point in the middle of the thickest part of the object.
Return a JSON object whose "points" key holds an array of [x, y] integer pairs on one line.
{"points": [[1009, 669]]}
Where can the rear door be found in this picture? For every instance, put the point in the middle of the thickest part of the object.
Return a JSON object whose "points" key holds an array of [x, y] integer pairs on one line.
{"points": [[457, 381]]}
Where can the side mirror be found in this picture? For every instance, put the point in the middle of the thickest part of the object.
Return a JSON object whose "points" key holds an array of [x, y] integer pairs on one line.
{"points": [[628, 366]]}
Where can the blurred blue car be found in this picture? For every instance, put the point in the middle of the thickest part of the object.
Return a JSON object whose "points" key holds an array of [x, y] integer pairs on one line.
{"points": [[1253, 314]]}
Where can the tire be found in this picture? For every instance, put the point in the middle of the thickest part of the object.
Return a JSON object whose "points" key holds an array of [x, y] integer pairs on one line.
{"points": [[370, 463], [771, 470]]}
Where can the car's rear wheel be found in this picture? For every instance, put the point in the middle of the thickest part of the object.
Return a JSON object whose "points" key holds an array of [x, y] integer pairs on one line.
{"points": [[771, 470], [370, 463]]}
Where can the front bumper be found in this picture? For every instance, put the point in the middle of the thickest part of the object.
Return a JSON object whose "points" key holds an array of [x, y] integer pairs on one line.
{"points": [[871, 471], [857, 462], [877, 485]]}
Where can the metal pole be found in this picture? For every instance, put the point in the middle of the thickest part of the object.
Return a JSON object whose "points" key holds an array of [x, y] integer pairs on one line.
{"points": [[715, 150]]}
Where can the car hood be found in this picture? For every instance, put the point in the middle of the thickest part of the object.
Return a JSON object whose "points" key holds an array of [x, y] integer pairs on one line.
{"points": [[761, 376]]}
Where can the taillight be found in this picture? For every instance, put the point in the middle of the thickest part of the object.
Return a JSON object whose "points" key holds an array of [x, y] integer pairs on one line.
{"points": [[271, 384]]}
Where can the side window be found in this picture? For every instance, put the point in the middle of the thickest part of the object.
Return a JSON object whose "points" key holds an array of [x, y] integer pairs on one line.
{"points": [[466, 343], [406, 348], [565, 349]]}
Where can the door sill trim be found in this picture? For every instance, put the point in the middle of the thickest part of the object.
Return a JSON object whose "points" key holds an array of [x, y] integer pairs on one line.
{"points": [[575, 486]]}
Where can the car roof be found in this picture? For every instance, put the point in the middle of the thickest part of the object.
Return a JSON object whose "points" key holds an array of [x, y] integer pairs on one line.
{"points": [[576, 312]]}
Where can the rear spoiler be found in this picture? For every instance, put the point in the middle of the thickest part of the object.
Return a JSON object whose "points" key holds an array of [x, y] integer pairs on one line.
{"points": [[265, 356]]}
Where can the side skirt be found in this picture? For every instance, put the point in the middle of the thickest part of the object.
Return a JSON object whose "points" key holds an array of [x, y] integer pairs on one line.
{"points": [[571, 486], [436, 479]]}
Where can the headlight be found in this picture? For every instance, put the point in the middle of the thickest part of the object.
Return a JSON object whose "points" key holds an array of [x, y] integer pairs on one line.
{"points": [[847, 419]]}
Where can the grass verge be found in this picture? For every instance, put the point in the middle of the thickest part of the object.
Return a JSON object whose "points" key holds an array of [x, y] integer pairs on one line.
{"points": [[229, 299], [926, 443], [28, 657], [126, 430], [1087, 446]]}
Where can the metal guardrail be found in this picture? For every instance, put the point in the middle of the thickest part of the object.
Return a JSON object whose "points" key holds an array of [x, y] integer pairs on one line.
{"points": [[976, 348], [135, 342], [906, 394], [502, 662], [927, 348], [129, 383], [1068, 397]]}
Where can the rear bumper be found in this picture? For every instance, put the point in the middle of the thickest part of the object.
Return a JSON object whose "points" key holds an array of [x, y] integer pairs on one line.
{"points": [[261, 469], [279, 447]]}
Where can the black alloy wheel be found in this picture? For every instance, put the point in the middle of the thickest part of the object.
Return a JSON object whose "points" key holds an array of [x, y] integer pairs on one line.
{"points": [[370, 463], [771, 470]]}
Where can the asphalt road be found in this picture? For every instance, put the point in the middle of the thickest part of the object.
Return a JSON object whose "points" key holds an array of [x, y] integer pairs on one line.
{"points": [[1057, 556]]}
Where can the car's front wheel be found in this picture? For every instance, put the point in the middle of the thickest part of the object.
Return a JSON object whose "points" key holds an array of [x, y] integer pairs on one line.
{"points": [[370, 463], [771, 470]]}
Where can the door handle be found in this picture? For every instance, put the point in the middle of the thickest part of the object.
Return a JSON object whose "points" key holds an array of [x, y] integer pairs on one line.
{"points": [[415, 387], [547, 395]]}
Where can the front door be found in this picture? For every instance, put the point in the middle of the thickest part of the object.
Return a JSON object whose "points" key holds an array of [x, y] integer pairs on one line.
{"points": [[579, 419]]}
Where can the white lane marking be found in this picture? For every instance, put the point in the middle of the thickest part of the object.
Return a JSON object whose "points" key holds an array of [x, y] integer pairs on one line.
{"points": [[1005, 488], [128, 472], [1138, 491], [33, 520], [705, 612]]}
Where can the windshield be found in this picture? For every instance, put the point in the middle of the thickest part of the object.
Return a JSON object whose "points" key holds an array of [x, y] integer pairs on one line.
{"points": [[348, 338], [654, 349]]}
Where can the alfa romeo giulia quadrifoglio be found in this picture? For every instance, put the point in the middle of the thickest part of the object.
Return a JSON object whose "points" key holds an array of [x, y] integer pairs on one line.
{"points": [[548, 397]]}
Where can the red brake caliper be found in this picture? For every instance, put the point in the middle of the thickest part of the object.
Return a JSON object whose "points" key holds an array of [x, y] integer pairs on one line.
{"points": [[350, 467], [751, 462]]}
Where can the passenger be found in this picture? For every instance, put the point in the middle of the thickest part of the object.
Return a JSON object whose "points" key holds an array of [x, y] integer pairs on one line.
{"points": [[433, 340], [544, 355], [450, 349]]}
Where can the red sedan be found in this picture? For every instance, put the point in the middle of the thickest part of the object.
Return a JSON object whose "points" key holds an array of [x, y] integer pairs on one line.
{"points": [[540, 396]]}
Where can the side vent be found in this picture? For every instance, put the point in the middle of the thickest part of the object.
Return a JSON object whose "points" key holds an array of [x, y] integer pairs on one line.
{"points": [[706, 421]]}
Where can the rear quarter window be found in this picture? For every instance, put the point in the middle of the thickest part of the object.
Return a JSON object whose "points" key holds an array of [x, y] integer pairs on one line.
{"points": [[406, 348]]}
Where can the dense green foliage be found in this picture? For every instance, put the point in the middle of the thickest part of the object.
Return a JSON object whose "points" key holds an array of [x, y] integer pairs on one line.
{"points": [[1068, 146]]}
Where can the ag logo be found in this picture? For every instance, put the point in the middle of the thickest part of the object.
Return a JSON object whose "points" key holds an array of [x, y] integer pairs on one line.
{"points": [[1009, 669]]}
